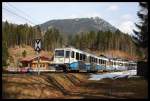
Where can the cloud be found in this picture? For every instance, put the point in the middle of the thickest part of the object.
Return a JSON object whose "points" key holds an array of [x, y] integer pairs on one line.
{"points": [[87, 15], [127, 17], [127, 27], [113, 8], [126, 24]]}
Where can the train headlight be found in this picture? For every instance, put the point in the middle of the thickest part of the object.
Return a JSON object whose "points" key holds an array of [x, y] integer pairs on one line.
{"points": [[60, 59]]}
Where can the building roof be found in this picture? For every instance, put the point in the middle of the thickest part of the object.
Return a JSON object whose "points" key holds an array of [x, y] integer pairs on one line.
{"points": [[31, 58]]}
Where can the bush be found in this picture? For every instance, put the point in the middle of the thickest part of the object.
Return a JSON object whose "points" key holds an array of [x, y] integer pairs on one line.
{"points": [[24, 53]]}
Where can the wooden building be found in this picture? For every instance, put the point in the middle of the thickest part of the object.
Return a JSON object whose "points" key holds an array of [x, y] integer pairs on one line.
{"points": [[32, 62]]}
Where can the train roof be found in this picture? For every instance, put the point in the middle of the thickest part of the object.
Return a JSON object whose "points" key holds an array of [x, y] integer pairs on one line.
{"points": [[81, 51]]}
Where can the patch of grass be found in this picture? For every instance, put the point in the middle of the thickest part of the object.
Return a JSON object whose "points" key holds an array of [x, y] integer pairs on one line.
{"points": [[71, 85]]}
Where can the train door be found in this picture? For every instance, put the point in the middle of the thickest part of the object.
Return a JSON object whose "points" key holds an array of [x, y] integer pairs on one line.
{"points": [[72, 57], [67, 57]]}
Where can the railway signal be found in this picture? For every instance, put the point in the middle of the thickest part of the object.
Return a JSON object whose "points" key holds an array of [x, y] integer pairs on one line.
{"points": [[37, 47]]}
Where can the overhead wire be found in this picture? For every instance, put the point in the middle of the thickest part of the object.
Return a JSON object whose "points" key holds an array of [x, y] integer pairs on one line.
{"points": [[19, 16], [22, 12]]}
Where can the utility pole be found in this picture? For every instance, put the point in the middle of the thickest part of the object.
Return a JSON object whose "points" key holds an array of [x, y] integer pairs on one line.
{"points": [[38, 63]]}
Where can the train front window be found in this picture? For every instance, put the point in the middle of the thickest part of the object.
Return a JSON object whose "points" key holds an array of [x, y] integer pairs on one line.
{"points": [[59, 53], [67, 54]]}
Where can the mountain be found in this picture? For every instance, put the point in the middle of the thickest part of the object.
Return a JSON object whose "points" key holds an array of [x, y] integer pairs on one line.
{"points": [[73, 26]]}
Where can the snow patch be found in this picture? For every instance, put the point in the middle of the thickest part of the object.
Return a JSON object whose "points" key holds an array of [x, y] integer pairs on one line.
{"points": [[113, 75]]}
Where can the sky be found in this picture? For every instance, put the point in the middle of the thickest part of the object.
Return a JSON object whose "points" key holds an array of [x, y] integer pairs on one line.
{"points": [[122, 15]]}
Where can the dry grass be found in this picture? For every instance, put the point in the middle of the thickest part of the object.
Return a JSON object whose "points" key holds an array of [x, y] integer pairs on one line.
{"points": [[71, 86], [16, 53], [117, 53]]}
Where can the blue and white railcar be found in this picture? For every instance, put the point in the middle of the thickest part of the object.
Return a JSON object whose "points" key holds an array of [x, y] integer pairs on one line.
{"points": [[103, 63], [71, 59], [78, 60], [132, 65], [110, 65], [121, 65]]}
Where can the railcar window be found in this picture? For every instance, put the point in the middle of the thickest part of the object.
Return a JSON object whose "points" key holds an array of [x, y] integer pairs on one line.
{"points": [[90, 59], [104, 61], [81, 55], [72, 55], [84, 57], [77, 56], [101, 61], [59, 53], [114, 63], [96, 60], [67, 54]]}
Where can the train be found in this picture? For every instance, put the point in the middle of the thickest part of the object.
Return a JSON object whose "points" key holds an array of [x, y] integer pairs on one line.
{"points": [[72, 59]]}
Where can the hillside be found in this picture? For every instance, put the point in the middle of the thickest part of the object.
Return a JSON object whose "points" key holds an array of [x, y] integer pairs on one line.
{"points": [[77, 25], [118, 53]]}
